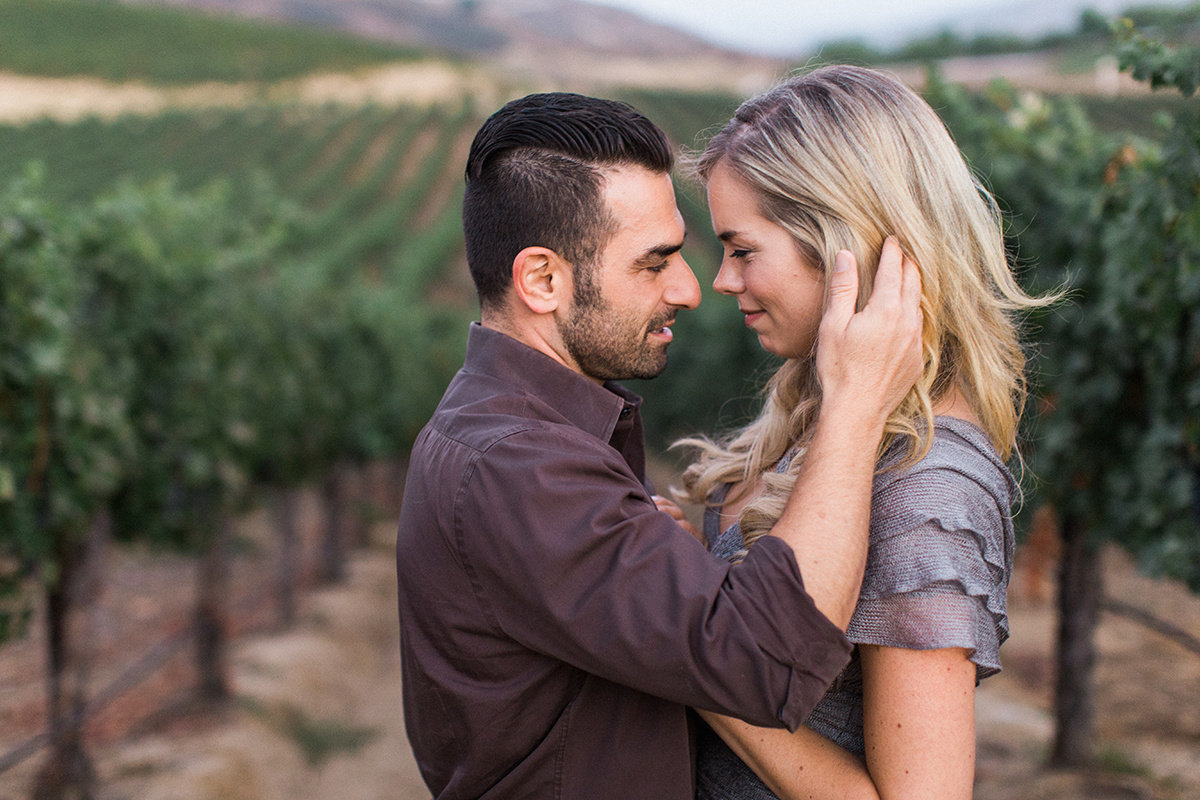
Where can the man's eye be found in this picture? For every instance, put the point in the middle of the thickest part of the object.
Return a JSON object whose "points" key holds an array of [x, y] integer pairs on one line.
{"points": [[658, 267]]}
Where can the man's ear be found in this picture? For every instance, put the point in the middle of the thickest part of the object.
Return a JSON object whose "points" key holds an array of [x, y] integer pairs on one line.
{"points": [[542, 279]]}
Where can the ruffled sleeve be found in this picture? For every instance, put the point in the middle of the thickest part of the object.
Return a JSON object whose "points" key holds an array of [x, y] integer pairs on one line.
{"points": [[941, 550]]}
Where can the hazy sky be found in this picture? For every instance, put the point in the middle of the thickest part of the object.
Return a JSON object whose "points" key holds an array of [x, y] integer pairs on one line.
{"points": [[787, 27]]}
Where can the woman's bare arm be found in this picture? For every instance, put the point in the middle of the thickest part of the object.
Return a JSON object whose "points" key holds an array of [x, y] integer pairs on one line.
{"points": [[919, 708], [796, 766], [919, 722]]}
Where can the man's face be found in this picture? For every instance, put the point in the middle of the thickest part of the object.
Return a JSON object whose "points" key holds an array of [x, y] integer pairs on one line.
{"points": [[618, 326]]}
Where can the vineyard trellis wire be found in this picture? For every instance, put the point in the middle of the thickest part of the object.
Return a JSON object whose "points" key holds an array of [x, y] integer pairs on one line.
{"points": [[253, 605]]}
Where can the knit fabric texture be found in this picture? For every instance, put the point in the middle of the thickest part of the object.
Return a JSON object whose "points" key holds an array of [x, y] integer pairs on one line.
{"points": [[937, 572]]}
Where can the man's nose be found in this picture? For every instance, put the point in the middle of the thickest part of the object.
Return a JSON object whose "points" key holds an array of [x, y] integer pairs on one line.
{"points": [[684, 291]]}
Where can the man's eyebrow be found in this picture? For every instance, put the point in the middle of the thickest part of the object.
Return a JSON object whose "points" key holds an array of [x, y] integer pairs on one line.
{"points": [[656, 254]]}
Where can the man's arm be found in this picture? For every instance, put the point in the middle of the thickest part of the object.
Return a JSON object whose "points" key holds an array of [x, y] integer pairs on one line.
{"points": [[867, 362]]}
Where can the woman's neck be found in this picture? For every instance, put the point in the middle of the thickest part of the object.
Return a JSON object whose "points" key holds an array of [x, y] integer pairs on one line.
{"points": [[954, 404]]}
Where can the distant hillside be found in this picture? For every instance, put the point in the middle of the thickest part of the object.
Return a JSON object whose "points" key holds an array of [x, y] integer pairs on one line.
{"points": [[118, 42], [480, 27], [568, 43]]}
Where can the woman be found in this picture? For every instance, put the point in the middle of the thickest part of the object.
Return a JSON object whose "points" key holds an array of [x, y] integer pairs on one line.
{"points": [[824, 167]]}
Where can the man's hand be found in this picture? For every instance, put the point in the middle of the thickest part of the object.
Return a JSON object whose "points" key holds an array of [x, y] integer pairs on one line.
{"points": [[869, 360], [672, 508]]}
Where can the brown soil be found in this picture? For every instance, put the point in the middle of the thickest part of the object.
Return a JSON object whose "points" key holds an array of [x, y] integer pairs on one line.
{"points": [[316, 711], [24, 98]]}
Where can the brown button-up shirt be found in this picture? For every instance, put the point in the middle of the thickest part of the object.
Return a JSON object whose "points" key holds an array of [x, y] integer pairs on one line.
{"points": [[555, 625]]}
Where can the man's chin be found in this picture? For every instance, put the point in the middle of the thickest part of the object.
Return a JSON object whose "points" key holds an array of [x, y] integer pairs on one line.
{"points": [[640, 372], [652, 371]]}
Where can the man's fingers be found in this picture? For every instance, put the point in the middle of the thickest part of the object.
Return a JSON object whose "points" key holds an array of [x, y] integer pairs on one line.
{"points": [[669, 506], [911, 290], [889, 278], [873, 357], [843, 291]]}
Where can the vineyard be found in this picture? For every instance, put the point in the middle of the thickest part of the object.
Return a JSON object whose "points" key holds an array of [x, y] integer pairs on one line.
{"points": [[203, 311]]}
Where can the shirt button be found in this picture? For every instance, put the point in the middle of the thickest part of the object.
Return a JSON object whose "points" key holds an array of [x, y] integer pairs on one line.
{"points": [[625, 412]]}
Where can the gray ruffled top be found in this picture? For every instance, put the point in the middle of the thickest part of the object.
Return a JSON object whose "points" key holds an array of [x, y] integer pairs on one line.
{"points": [[938, 565]]}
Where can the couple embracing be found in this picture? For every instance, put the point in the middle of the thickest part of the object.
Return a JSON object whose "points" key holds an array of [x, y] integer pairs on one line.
{"points": [[565, 633]]}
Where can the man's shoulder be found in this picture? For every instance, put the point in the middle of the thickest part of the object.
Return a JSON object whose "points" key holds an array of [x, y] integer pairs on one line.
{"points": [[479, 417]]}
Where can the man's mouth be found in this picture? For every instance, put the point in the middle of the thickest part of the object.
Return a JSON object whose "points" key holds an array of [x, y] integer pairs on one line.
{"points": [[663, 331]]}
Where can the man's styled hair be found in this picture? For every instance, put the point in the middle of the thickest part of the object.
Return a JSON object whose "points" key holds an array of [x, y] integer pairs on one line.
{"points": [[534, 178]]}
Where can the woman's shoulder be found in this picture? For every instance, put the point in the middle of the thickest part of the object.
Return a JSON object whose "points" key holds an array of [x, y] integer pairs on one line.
{"points": [[949, 515], [962, 467], [941, 549]]}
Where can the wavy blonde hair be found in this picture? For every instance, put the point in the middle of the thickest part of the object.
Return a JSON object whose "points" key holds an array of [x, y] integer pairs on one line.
{"points": [[842, 157]]}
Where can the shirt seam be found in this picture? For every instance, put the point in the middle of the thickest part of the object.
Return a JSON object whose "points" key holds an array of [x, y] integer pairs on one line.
{"points": [[477, 453]]}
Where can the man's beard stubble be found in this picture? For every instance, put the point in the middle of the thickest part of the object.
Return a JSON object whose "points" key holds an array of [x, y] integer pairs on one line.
{"points": [[606, 344]]}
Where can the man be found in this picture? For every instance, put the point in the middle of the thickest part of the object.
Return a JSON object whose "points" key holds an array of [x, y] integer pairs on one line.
{"points": [[556, 625]]}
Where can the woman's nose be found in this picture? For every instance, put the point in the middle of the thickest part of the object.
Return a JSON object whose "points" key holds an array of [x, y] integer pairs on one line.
{"points": [[729, 278]]}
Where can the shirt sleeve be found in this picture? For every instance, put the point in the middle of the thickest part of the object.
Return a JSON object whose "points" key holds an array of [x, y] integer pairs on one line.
{"points": [[568, 556], [937, 568]]}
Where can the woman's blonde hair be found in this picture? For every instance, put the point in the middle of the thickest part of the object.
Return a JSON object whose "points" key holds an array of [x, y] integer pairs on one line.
{"points": [[841, 158]]}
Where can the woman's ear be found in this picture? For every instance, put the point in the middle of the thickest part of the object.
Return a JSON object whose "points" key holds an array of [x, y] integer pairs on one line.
{"points": [[542, 279]]}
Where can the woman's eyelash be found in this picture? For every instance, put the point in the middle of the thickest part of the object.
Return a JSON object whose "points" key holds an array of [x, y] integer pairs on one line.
{"points": [[741, 253]]}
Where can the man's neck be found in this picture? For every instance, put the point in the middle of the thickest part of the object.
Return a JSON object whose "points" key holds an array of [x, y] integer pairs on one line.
{"points": [[538, 333]]}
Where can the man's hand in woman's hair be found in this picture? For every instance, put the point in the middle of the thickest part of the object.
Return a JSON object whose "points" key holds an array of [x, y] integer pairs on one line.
{"points": [[872, 358]]}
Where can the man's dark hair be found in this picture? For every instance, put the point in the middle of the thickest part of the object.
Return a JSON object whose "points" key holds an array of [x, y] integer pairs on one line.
{"points": [[534, 178]]}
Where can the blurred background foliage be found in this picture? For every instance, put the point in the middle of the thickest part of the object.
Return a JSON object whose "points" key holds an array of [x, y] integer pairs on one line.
{"points": [[199, 307]]}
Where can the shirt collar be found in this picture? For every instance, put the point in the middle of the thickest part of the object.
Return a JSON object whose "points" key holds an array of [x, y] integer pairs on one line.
{"points": [[593, 408]]}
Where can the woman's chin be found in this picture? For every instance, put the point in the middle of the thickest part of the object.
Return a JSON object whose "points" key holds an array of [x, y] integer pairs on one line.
{"points": [[779, 349]]}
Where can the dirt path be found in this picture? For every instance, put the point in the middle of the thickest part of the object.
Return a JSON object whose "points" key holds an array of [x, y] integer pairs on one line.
{"points": [[24, 98], [317, 715]]}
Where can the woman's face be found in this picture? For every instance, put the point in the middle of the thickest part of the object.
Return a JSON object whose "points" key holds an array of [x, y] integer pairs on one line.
{"points": [[781, 293]]}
